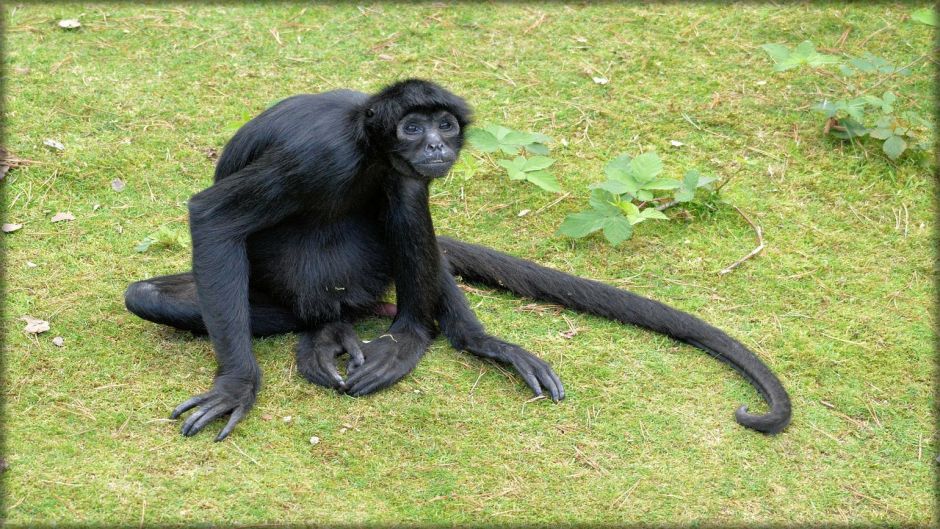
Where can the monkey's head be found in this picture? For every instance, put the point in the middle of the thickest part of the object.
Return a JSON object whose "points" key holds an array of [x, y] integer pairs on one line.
{"points": [[418, 125]]}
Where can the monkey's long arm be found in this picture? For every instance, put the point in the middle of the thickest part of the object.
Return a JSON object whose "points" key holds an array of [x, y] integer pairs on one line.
{"points": [[484, 265]]}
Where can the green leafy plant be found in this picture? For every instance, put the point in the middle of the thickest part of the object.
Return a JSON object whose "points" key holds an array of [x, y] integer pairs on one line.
{"points": [[492, 138], [165, 237], [853, 111], [805, 53], [533, 169], [925, 16], [634, 192], [531, 162]]}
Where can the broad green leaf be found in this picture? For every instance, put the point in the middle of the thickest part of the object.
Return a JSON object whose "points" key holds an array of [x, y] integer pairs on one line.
{"points": [[894, 147], [628, 208], [826, 107], [777, 52], [482, 140], [804, 53], [498, 131], [684, 194], [635, 219], [543, 179], [578, 225], [662, 184], [691, 179], [644, 195], [538, 162], [509, 149], [617, 187], [603, 202], [705, 180], [145, 244], [881, 133], [653, 213], [617, 230], [537, 148], [925, 16], [518, 138], [618, 167], [856, 108], [852, 129], [515, 167], [645, 167], [538, 137]]}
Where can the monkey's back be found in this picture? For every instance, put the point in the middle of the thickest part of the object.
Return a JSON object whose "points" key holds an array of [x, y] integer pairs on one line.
{"points": [[296, 124]]}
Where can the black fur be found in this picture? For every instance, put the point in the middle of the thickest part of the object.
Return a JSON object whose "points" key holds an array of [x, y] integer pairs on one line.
{"points": [[319, 204]]}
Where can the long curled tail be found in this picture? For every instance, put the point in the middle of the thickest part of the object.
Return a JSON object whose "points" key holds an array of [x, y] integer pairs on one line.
{"points": [[490, 267]]}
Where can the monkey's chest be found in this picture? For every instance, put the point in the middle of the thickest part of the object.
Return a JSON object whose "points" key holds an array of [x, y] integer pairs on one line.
{"points": [[321, 271]]}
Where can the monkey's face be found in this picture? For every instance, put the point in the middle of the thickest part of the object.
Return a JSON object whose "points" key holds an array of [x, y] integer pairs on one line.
{"points": [[428, 142]]}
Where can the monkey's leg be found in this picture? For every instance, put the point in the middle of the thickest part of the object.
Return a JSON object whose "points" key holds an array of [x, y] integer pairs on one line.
{"points": [[318, 350], [171, 300], [465, 332]]}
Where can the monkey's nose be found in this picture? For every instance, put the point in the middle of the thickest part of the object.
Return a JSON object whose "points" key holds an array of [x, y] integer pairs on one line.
{"points": [[434, 147]]}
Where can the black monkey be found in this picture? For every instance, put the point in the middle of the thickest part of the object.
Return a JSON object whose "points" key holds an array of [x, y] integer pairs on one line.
{"points": [[318, 205]]}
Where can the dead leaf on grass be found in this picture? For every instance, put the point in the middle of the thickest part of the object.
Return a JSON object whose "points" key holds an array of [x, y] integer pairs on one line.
{"points": [[69, 23], [117, 184], [10, 228], [53, 144], [58, 341], [35, 326], [63, 215]]}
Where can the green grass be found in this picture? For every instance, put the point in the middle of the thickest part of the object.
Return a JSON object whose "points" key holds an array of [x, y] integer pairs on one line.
{"points": [[838, 303]]}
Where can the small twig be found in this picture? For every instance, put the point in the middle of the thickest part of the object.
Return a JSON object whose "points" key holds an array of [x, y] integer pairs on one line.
{"points": [[253, 460], [618, 503], [557, 200], [760, 245], [667, 205], [475, 384]]}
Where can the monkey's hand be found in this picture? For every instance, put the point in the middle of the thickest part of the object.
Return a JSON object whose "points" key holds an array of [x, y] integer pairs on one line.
{"points": [[318, 350], [229, 394], [535, 371], [388, 359]]}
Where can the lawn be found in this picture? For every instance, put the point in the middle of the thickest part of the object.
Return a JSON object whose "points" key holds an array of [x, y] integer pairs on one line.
{"points": [[838, 303]]}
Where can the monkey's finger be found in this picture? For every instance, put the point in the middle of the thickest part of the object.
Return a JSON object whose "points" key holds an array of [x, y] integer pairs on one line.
{"points": [[208, 416], [186, 406], [367, 382], [561, 387], [544, 375], [351, 345], [329, 372], [532, 381], [196, 415], [372, 385], [362, 372], [236, 417]]}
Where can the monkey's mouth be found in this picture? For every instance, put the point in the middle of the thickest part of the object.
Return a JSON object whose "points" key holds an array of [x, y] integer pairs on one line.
{"points": [[434, 168]]}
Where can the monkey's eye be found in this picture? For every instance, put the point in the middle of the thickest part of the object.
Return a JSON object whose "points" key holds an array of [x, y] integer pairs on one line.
{"points": [[412, 128], [446, 125]]}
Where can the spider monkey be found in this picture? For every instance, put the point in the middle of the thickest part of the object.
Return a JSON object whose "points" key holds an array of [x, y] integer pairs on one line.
{"points": [[318, 205]]}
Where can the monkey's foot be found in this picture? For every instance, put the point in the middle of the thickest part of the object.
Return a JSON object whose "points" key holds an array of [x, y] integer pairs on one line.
{"points": [[318, 350], [535, 371], [229, 394], [388, 359]]}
